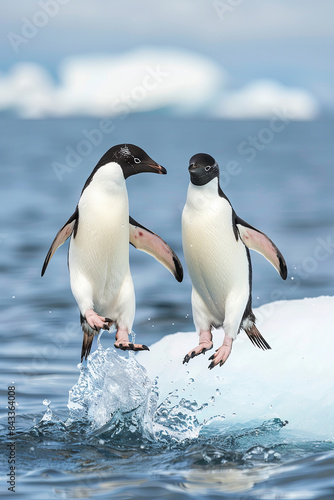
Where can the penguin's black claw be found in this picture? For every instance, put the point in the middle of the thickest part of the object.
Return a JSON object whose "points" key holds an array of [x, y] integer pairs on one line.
{"points": [[138, 347], [122, 347], [132, 347], [213, 356], [186, 359], [195, 353], [212, 364]]}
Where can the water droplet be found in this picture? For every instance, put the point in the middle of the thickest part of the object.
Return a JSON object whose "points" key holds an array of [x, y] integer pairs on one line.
{"points": [[13, 296], [32, 448], [46, 402], [234, 414], [149, 319], [173, 324], [218, 393], [292, 278], [50, 312], [191, 381], [212, 399], [101, 441]]}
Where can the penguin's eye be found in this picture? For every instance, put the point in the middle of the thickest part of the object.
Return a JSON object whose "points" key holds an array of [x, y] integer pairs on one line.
{"points": [[207, 168], [137, 160]]}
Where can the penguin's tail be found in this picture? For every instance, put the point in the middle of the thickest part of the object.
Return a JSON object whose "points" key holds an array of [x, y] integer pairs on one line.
{"points": [[255, 337], [88, 337]]}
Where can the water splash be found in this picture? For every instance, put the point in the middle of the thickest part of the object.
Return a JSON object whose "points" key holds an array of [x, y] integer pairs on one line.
{"points": [[114, 401], [115, 397], [47, 417], [111, 395]]}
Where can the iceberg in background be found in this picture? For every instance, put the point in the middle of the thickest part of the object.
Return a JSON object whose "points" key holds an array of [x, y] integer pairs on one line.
{"points": [[103, 85], [259, 98], [181, 83]]}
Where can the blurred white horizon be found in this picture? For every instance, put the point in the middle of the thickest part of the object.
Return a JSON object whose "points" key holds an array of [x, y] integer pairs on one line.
{"points": [[147, 79], [224, 58]]}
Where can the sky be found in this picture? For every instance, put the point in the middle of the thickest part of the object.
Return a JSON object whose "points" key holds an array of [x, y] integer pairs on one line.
{"points": [[288, 41]]}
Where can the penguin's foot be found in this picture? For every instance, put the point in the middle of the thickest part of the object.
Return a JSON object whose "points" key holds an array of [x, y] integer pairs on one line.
{"points": [[200, 349], [205, 344], [122, 342], [97, 322], [221, 354]]}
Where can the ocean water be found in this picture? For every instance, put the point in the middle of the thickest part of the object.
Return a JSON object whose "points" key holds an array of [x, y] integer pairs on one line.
{"points": [[111, 428]]}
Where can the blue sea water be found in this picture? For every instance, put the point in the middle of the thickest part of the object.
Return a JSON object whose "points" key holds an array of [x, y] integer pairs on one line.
{"points": [[280, 181]]}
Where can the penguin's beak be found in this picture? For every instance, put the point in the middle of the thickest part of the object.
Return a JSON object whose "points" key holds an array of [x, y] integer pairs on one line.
{"points": [[145, 166], [153, 167]]}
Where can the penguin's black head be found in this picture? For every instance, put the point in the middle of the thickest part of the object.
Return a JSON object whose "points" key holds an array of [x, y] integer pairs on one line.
{"points": [[202, 168], [132, 159]]}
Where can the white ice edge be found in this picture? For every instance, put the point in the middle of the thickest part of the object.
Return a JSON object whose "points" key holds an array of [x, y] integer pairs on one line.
{"points": [[293, 381]]}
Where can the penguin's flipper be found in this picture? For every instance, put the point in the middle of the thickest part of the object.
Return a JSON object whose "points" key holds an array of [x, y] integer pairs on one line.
{"points": [[149, 242], [258, 241], [62, 235]]}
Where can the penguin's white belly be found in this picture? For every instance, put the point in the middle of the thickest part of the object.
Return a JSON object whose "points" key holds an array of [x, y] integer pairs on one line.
{"points": [[99, 255], [216, 261]]}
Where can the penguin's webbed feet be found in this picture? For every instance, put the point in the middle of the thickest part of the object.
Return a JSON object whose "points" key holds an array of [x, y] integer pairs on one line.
{"points": [[128, 346], [122, 342], [200, 349], [221, 354]]}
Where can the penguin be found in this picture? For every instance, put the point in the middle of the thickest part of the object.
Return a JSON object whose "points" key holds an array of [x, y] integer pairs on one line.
{"points": [[216, 245], [100, 230]]}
